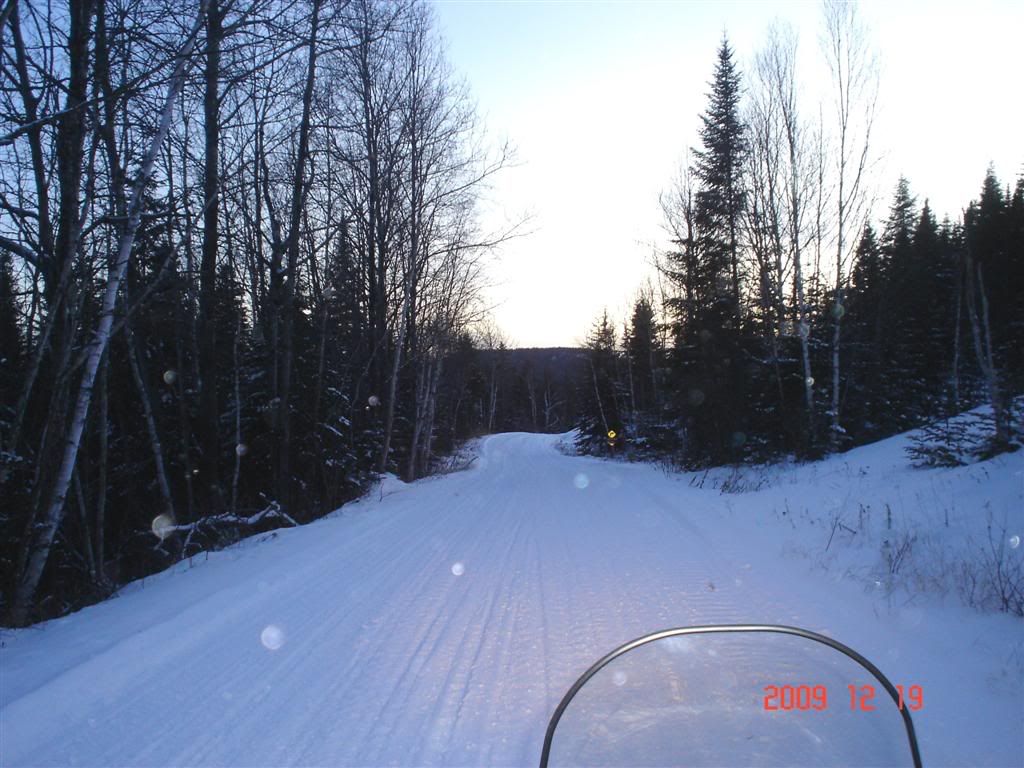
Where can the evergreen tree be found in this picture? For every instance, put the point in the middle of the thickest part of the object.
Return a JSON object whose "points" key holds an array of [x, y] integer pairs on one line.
{"points": [[931, 334], [991, 274], [709, 348], [599, 390], [721, 198], [862, 325], [643, 350], [901, 322], [1013, 282], [993, 226], [866, 282], [896, 385], [899, 226]]}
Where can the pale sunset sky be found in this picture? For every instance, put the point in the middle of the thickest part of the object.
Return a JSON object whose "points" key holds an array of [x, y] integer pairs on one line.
{"points": [[602, 99]]}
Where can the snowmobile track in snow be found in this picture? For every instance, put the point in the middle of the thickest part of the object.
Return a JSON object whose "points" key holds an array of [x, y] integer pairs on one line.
{"points": [[437, 625]]}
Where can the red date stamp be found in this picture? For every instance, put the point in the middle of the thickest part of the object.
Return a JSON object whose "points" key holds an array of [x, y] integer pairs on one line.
{"points": [[805, 698]]}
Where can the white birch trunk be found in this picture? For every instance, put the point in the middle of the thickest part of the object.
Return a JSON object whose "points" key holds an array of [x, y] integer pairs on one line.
{"points": [[982, 335], [47, 527], [428, 439]]}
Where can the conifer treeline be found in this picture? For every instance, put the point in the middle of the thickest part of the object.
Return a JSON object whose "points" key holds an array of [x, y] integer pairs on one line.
{"points": [[300, 275], [788, 325]]}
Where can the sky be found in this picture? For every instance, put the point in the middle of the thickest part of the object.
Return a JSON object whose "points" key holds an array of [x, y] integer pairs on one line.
{"points": [[601, 101]]}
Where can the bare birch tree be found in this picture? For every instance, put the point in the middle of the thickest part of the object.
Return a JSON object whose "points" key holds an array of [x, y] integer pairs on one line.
{"points": [[784, 189], [854, 93], [53, 511]]}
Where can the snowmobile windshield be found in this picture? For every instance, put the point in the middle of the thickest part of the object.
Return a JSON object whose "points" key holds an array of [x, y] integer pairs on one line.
{"points": [[734, 696]]}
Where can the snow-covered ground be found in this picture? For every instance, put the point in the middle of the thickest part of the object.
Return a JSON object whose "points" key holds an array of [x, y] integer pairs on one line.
{"points": [[441, 622]]}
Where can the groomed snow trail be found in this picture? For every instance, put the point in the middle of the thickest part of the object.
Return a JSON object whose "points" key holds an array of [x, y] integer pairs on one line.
{"points": [[437, 623]]}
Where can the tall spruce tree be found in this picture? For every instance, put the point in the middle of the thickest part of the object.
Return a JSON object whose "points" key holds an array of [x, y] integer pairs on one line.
{"points": [[930, 342], [710, 347], [895, 385], [864, 298], [996, 248], [991, 267], [643, 350], [718, 168], [1014, 287]]}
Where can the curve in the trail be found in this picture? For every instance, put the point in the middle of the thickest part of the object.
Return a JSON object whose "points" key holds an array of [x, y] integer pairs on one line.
{"points": [[434, 623]]}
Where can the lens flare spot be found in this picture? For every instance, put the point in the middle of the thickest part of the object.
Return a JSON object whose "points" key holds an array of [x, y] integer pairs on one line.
{"points": [[809, 381], [170, 376], [1014, 541], [911, 618], [695, 397], [272, 637], [162, 526], [458, 569], [619, 678], [373, 400], [677, 644], [241, 449], [581, 481]]}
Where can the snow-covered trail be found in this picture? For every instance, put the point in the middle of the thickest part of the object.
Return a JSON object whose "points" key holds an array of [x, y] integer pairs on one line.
{"points": [[437, 624]]}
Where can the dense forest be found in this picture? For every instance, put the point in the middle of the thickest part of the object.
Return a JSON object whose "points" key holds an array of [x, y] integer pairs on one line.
{"points": [[242, 272], [785, 322]]}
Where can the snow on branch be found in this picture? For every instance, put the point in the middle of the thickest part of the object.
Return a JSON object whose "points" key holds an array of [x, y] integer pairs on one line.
{"points": [[271, 511]]}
